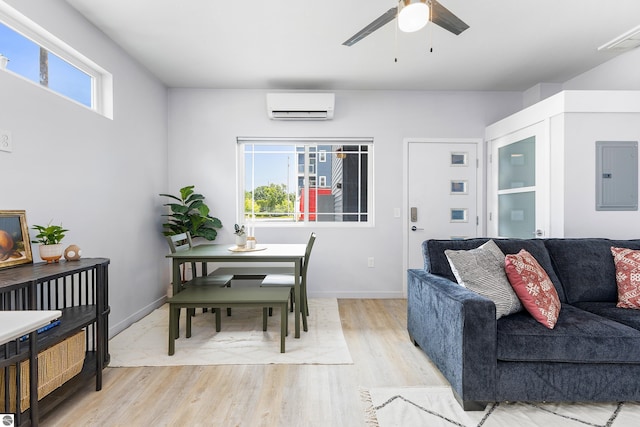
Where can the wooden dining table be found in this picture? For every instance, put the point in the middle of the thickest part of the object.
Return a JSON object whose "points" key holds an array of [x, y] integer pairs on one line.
{"points": [[264, 253]]}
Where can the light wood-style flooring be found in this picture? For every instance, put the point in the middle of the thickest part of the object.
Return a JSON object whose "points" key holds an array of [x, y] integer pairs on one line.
{"points": [[262, 395]]}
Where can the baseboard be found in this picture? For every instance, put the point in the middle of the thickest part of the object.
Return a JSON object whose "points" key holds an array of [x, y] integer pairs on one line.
{"points": [[359, 295], [124, 324]]}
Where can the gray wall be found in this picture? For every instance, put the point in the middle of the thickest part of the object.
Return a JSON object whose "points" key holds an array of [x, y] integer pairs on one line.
{"points": [[204, 124], [99, 177], [620, 73], [107, 174]]}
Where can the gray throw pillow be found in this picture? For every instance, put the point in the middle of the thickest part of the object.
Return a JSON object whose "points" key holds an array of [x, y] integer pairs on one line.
{"points": [[482, 271]]}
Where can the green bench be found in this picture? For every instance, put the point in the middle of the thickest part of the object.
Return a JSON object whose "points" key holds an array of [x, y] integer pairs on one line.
{"points": [[218, 298]]}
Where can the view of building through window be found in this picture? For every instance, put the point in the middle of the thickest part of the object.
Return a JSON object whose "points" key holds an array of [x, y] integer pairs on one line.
{"points": [[285, 181], [33, 62]]}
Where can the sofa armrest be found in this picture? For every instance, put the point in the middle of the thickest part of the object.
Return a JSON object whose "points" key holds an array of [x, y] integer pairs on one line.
{"points": [[457, 329]]}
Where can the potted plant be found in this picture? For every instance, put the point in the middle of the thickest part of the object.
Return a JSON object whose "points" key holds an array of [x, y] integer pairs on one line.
{"points": [[49, 238], [241, 236], [191, 215]]}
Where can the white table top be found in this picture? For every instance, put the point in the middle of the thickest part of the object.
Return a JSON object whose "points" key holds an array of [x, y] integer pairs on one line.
{"points": [[14, 324]]}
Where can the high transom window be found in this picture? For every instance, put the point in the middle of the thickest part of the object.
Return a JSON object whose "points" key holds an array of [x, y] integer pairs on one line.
{"points": [[36, 55], [306, 180]]}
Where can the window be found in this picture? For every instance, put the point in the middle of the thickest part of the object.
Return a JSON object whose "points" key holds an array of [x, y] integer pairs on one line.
{"points": [[283, 179], [38, 56]]}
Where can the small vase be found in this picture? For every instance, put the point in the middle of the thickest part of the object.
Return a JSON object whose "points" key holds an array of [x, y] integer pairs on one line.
{"points": [[241, 241], [51, 253]]}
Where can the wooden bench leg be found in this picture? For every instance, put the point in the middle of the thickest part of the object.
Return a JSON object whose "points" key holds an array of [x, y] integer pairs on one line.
{"points": [[284, 316], [173, 320], [177, 325], [265, 314], [188, 324]]}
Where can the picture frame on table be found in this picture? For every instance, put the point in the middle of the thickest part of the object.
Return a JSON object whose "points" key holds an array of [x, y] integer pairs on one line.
{"points": [[15, 246]]}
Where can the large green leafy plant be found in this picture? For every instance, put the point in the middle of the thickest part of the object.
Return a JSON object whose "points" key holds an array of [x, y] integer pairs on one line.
{"points": [[190, 214]]}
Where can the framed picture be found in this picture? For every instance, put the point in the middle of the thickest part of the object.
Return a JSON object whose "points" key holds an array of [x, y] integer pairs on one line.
{"points": [[15, 247]]}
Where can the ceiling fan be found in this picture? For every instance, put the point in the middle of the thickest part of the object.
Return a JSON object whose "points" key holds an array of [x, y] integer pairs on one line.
{"points": [[413, 15]]}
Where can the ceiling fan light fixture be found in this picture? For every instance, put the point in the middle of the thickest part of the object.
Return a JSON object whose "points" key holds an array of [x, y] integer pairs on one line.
{"points": [[412, 15]]}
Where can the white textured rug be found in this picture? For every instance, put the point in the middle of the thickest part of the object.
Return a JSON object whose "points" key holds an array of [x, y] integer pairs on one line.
{"points": [[240, 342], [436, 407]]}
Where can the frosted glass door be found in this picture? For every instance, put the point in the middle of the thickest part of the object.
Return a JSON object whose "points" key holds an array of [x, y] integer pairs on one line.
{"points": [[517, 173], [516, 189]]}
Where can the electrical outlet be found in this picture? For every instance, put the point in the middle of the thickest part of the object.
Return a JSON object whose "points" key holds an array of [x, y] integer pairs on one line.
{"points": [[5, 141], [370, 262]]}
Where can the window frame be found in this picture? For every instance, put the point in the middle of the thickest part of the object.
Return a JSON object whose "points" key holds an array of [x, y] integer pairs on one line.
{"points": [[305, 141], [101, 80]]}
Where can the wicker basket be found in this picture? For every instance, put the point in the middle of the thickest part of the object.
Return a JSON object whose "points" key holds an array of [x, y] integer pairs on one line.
{"points": [[56, 365]]}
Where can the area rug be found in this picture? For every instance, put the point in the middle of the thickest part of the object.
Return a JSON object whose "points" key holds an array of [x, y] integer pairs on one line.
{"points": [[436, 407], [241, 340]]}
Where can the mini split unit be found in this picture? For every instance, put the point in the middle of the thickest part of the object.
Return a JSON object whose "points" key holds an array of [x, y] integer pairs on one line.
{"points": [[300, 106]]}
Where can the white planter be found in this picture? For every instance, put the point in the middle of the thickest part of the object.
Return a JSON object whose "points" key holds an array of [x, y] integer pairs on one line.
{"points": [[241, 241], [51, 253]]}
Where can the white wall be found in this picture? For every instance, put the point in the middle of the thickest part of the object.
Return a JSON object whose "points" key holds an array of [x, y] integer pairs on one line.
{"points": [[581, 218], [204, 124], [100, 178], [582, 130], [108, 173], [620, 73]]}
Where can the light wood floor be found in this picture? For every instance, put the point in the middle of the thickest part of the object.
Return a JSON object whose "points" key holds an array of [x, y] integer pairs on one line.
{"points": [[262, 395]]}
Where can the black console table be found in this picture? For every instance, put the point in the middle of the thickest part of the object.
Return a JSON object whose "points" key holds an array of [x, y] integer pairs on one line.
{"points": [[80, 290]]}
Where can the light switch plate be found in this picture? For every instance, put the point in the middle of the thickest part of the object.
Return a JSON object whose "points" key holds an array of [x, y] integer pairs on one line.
{"points": [[6, 144]]}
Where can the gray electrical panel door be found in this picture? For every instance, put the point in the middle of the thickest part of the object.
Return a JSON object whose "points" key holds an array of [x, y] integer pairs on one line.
{"points": [[616, 175]]}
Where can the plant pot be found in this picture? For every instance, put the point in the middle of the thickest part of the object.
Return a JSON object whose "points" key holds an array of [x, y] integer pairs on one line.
{"points": [[241, 241], [51, 253]]}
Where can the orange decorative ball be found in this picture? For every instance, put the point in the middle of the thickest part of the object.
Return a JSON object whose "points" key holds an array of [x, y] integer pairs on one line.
{"points": [[6, 245], [72, 253]]}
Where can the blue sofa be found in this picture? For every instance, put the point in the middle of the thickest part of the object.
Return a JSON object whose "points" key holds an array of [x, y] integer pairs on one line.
{"points": [[592, 354]]}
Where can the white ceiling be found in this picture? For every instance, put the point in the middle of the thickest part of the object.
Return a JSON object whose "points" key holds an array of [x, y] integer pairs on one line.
{"points": [[297, 44]]}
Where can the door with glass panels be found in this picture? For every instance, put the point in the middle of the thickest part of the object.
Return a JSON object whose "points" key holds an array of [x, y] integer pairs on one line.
{"points": [[518, 206], [442, 194]]}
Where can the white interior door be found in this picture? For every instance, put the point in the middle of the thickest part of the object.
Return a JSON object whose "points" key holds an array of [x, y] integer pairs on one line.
{"points": [[518, 190], [442, 193]]}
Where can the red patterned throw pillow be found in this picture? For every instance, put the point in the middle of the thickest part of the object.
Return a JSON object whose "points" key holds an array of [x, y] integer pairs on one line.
{"points": [[533, 286], [627, 263]]}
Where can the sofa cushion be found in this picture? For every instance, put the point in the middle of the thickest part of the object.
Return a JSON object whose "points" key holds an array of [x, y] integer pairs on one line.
{"points": [[435, 260], [579, 336], [534, 288], [482, 271], [609, 310], [585, 267], [627, 262]]}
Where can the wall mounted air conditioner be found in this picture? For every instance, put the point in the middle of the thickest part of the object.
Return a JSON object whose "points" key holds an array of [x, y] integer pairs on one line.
{"points": [[300, 106]]}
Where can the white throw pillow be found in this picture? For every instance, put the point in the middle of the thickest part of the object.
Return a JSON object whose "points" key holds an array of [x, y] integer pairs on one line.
{"points": [[482, 271]]}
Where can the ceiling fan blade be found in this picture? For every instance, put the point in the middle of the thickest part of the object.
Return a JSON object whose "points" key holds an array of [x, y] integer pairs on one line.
{"points": [[384, 19], [444, 18]]}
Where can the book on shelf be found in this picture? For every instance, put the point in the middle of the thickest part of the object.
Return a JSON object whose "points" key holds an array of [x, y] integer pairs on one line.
{"points": [[51, 325]]}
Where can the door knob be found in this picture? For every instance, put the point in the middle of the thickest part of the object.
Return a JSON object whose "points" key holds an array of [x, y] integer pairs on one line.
{"points": [[414, 228]]}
